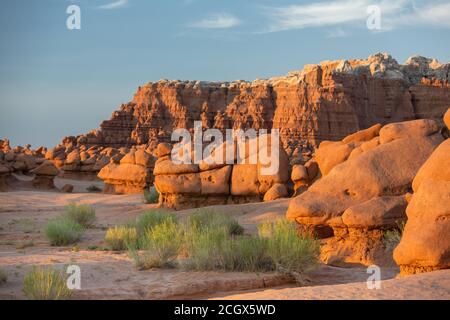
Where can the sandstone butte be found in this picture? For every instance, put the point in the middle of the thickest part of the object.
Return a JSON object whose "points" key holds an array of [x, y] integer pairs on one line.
{"points": [[326, 101]]}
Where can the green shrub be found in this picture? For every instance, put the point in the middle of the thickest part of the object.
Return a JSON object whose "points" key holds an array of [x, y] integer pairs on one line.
{"points": [[151, 196], [391, 238], [45, 284], [83, 214], [205, 245], [3, 276], [63, 231], [288, 250], [246, 253], [120, 237], [161, 245], [203, 218], [151, 218]]}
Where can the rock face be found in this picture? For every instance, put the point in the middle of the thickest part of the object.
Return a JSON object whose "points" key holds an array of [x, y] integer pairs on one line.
{"points": [[361, 194], [131, 174], [45, 174], [190, 185], [425, 245], [327, 101]]}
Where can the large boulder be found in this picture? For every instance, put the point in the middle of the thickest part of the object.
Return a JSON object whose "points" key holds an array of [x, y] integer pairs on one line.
{"points": [[45, 175], [385, 170], [131, 174], [425, 244], [435, 167], [415, 128]]}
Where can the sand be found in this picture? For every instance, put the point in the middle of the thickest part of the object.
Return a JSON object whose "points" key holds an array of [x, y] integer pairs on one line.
{"points": [[111, 275]]}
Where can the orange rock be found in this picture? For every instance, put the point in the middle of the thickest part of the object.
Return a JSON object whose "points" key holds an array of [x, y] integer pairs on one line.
{"points": [[425, 244]]}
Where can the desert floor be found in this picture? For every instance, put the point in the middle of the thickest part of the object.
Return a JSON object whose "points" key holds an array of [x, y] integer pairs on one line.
{"points": [[110, 275]]}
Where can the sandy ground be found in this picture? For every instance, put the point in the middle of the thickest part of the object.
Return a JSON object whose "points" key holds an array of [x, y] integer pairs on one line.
{"points": [[427, 286], [110, 275]]}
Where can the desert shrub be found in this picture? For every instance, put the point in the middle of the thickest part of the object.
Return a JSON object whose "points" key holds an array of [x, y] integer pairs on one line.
{"points": [[161, 245], [63, 231], [203, 218], [246, 253], [3, 276], [45, 284], [120, 237], [151, 196], [391, 238], [204, 246], [151, 218], [289, 251], [83, 214]]}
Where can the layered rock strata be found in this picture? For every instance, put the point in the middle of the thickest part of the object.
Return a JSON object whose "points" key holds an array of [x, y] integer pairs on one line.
{"points": [[327, 101]]}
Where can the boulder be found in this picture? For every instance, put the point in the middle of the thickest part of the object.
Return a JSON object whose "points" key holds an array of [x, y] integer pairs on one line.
{"points": [[436, 168], [330, 154], [67, 188], [216, 181], [44, 175], [385, 170], [363, 135], [415, 128], [125, 178], [379, 212], [425, 244], [447, 119], [275, 192], [244, 180]]}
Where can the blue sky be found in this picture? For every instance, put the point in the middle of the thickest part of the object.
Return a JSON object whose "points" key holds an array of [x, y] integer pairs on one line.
{"points": [[56, 82]]}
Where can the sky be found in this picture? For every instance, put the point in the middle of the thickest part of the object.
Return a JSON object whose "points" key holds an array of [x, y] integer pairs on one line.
{"points": [[56, 82]]}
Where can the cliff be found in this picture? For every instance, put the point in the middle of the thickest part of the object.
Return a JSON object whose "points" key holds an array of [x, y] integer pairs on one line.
{"points": [[322, 102]]}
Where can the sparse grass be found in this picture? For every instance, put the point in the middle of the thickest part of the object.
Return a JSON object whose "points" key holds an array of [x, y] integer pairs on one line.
{"points": [[25, 244], [289, 251], [210, 218], [246, 253], [63, 231], [93, 188], [213, 241], [391, 238], [161, 245], [83, 214], [151, 196], [120, 237], [3, 276], [45, 284], [152, 218], [204, 246]]}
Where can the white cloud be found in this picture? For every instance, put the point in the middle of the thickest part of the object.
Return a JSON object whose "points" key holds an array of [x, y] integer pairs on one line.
{"points": [[114, 5], [217, 21], [394, 13]]}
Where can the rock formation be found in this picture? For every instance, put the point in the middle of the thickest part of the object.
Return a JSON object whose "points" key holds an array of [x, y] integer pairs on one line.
{"points": [[327, 101], [44, 176], [362, 191], [425, 245], [129, 174], [209, 183]]}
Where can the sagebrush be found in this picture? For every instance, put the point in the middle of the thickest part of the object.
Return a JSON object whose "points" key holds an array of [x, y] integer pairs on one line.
{"points": [[45, 284], [121, 237], [63, 231], [83, 214]]}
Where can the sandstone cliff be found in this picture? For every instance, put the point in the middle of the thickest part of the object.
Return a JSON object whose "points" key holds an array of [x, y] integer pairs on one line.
{"points": [[327, 101]]}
